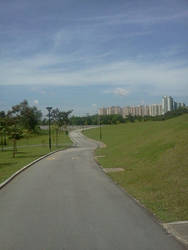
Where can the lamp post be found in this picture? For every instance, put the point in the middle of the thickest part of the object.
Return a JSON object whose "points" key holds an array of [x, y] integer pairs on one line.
{"points": [[49, 115], [99, 122], [100, 130]]}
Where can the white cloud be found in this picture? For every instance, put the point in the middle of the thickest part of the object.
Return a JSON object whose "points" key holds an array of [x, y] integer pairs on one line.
{"points": [[167, 77], [117, 91], [143, 16], [120, 91], [36, 102]]}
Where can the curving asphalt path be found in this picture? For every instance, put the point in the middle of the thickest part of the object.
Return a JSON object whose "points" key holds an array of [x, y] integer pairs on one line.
{"points": [[65, 202]]}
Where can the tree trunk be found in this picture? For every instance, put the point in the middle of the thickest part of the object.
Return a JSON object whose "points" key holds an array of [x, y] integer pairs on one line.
{"points": [[5, 139], [2, 143]]}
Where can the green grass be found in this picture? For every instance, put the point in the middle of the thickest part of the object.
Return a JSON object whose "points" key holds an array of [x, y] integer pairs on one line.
{"points": [[155, 158], [28, 153]]}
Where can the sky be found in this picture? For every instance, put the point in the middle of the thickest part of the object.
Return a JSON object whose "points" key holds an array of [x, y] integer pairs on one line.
{"points": [[83, 55]]}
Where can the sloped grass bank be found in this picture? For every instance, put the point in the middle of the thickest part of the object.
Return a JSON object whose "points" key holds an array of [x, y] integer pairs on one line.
{"points": [[155, 158], [31, 149]]}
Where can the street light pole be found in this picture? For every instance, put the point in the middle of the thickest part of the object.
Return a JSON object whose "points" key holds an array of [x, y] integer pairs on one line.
{"points": [[99, 121], [100, 128], [49, 115]]}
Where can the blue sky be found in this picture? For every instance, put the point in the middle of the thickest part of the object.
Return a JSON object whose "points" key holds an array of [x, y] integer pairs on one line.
{"points": [[81, 55]]}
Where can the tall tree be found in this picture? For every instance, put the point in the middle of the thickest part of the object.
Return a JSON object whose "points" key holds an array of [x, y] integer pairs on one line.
{"points": [[60, 119], [28, 117], [15, 134], [56, 123]]}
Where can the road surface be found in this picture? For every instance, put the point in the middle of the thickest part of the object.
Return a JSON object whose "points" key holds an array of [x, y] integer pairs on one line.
{"points": [[66, 202]]}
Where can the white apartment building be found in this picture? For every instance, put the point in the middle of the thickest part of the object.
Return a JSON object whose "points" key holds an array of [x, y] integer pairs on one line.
{"points": [[170, 103], [118, 110], [126, 111], [146, 110], [167, 104], [143, 110], [102, 111], [155, 109], [114, 110], [164, 105]]}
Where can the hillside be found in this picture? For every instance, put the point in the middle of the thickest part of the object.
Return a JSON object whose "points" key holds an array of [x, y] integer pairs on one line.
{"points": [[155, 158]]}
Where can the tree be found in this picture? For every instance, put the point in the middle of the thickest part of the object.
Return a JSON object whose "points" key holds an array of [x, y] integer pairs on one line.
{"points": [[28, 117], [65, 118], [131, 118], [56, 120], [60, 118], [15, 134]]}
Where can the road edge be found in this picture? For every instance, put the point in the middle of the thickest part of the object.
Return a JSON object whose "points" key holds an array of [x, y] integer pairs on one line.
{"points": [[176, 236], [4, 183]]}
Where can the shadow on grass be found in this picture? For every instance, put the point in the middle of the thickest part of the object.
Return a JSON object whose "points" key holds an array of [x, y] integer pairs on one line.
{"points": [[7, 164], [21, 152], [37, 155], [6, 150], [27, 155]]}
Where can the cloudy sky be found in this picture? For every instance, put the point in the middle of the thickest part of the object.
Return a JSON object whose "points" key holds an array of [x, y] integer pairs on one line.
{"points": [[81, 54]]}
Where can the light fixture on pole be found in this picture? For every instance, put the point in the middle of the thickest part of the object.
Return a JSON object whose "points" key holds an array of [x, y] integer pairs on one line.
{"points": [[49, 116]]}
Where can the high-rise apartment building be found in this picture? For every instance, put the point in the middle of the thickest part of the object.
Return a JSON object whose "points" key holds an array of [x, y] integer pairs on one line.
{"points": [[126, 111], [170, 103], [175, 106], [167, 104], [146, 110], [102, 111], [155, 109], [160, 109], [113, 110], [117, 110], [164, 104]]}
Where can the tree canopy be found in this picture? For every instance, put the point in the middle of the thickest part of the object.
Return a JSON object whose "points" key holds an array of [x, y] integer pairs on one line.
{"points": [[26, 116]]}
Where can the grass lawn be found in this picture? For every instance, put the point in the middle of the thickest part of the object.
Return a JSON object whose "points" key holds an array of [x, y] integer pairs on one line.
{"points": [[28, 153], [155, 158]]}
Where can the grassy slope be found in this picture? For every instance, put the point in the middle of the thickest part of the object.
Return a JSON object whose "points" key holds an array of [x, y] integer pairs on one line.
{"points": [[27, 154], [155, 158]]}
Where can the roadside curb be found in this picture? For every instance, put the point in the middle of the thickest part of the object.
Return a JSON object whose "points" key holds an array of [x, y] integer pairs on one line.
{"points": [[27, 166], [171, 229]]}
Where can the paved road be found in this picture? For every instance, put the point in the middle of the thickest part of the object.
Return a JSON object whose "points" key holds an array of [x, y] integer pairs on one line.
{"points": [[65, 202]]}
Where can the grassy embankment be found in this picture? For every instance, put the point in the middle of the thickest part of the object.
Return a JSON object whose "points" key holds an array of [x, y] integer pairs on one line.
{"points": [[155, 158], [34, 147]]}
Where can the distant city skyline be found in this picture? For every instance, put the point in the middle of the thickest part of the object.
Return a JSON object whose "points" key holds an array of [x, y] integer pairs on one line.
{"points": [[167, 104]]}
